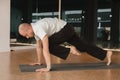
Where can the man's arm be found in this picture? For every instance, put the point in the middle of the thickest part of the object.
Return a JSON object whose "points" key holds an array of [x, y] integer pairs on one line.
{"points": [[39, 53], [46, 54]]}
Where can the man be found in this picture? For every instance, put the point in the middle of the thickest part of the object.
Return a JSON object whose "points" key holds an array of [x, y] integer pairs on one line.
{"points": [[50, 33]]}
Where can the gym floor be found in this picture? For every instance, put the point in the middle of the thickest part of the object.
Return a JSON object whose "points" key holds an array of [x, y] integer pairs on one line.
{"points": [[10, 61]]}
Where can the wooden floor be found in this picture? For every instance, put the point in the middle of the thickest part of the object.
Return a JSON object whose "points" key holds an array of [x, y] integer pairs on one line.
{"points": [[9, 67]]}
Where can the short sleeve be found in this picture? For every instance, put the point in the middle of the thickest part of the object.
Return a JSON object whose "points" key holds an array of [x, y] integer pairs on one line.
{"points": [[36, 38], [41, 34], [41, 30]]}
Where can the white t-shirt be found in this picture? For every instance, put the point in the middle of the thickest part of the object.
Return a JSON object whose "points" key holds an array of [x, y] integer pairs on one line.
{"points": [[47, 26]]}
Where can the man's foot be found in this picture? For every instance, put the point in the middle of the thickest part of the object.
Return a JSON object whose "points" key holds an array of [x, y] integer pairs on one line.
{"points": [[74, 51], [109, 54]]}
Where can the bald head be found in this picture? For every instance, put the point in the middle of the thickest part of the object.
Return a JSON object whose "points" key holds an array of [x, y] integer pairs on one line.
{"points": [[23, 26], [25, 30]]}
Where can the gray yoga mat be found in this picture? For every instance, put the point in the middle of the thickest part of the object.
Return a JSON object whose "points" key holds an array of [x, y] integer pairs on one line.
{"points": [[69, 67]]}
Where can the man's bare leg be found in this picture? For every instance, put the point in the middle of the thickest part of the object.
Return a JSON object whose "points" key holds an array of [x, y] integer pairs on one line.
{"points": [[73, 50], [109, 55]]}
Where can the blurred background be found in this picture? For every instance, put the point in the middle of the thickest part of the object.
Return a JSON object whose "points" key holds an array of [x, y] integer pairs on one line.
{"points": [[96, 21]]}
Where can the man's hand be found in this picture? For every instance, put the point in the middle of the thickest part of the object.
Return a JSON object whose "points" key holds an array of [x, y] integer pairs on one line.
{"points": [[42, 70]]}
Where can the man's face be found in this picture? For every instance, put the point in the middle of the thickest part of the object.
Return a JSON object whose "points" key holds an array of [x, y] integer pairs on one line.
{"points": [[27, 34]]}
